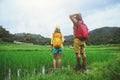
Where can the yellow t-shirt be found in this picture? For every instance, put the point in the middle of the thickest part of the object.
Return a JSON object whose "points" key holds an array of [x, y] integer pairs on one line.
{"points": [[56, 36]]}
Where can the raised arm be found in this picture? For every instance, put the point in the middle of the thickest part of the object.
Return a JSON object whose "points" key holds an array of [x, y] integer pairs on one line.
{"points": [[73, 18]]}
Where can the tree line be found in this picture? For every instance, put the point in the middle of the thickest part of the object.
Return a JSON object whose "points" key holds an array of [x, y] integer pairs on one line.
{"points": [[104, 35], [6, 36]]}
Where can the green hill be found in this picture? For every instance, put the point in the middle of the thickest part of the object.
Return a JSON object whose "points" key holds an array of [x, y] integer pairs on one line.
{"points": [[104, 35], [31, 38]]}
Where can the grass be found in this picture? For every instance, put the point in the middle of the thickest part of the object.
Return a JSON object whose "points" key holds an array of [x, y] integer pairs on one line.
{"points": [[102, 60]]}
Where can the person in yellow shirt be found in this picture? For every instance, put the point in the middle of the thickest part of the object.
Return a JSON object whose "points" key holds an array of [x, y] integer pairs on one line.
{"points": [[57, 46]]}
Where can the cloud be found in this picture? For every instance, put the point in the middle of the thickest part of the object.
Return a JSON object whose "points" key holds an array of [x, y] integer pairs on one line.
{"points": [[104, 17], [41, 16]]}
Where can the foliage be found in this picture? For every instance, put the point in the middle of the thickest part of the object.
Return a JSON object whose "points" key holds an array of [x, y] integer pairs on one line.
{"points": [[5, 35], [103, 62], [104, 35], [31, 38], [69, 40]]}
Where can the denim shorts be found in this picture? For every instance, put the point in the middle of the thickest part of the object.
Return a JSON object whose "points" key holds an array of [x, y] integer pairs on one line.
{"points": [[57, 51]]}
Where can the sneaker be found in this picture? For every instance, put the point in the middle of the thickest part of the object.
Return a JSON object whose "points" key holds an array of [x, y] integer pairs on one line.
{"points": [[84, 66], [78, 67]]}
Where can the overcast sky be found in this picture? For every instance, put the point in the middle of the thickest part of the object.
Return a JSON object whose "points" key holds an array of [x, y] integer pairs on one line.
{"points": [[42, 16]]}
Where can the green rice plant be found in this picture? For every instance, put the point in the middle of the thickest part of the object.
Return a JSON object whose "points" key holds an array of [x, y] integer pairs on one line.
{"points": [[102, 61]]}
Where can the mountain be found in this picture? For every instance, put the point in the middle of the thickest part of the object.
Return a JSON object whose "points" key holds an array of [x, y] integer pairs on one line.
{"points": [[5, 35], [31, 38], [104, 35], [68, 40]]}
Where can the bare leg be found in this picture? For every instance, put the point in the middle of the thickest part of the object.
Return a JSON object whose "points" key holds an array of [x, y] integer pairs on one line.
{"points": [[59, 60], [54, 61], [78, 66], [84, 61], [84, 58], [78, 58]]}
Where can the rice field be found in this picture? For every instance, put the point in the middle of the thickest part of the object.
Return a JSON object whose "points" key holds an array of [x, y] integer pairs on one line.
{"points": [[103, 62]]}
